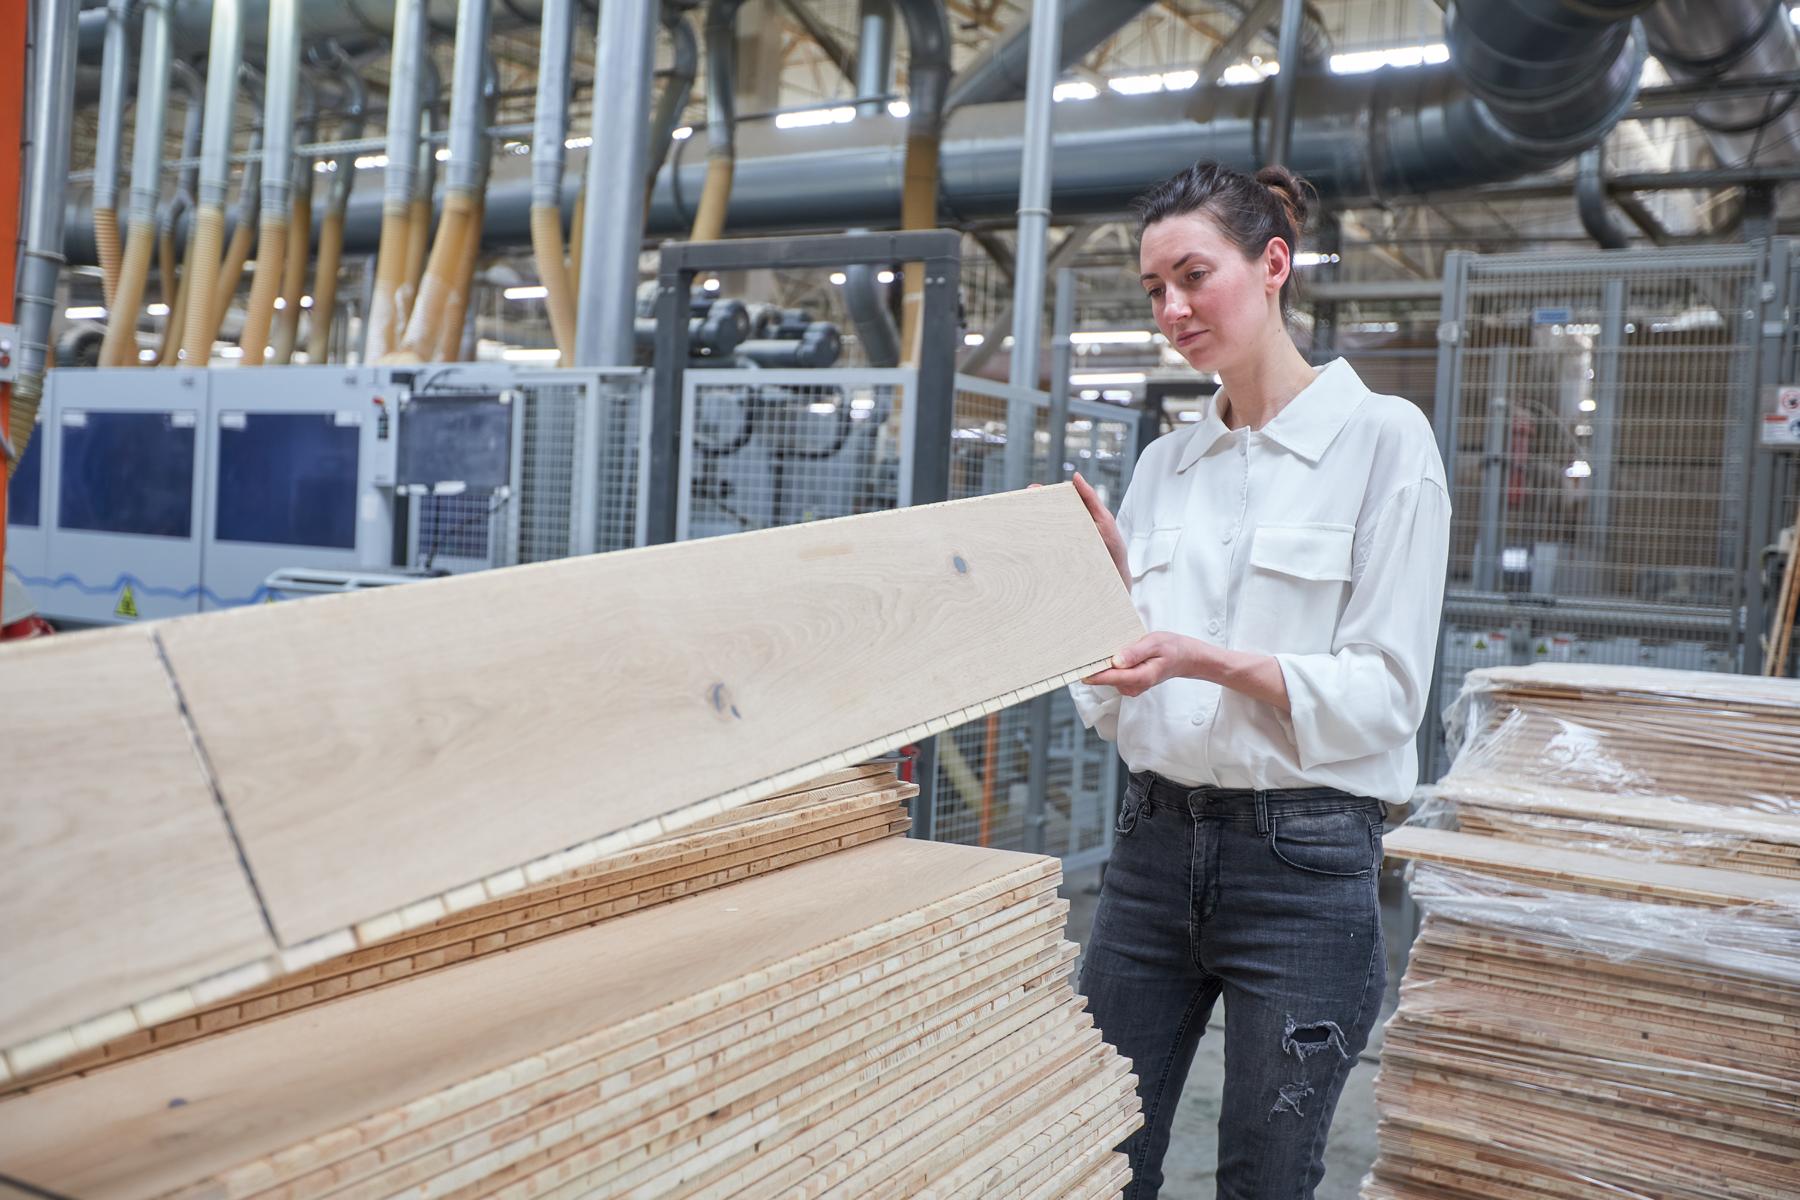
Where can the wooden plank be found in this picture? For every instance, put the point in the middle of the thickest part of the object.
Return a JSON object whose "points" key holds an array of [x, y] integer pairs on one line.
{"points": [[655, 686], [120, 881], [168, 1119], [1665, 881]]}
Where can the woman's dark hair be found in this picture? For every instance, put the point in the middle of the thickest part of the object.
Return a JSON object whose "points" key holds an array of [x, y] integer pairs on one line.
{"points": [[1249, 209]]}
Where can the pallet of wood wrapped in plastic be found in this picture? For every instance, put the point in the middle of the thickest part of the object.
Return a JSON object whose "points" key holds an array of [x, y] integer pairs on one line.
{"points": [[1681, 767], [1583, 1026]]}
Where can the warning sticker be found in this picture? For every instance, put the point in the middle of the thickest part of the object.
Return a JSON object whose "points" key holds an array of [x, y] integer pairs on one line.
{"points": [[127, 605]]}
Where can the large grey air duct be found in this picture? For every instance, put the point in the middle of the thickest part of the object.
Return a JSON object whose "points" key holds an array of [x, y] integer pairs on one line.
{"points": [[999, 72], [1358, 138], [1698, 40]]}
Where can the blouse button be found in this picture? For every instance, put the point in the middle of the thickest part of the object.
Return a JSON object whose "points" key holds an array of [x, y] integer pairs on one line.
{"points": [[1212, 626]]}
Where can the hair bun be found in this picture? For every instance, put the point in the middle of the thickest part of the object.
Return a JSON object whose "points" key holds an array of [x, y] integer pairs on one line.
{"points": [[1294, 193]]}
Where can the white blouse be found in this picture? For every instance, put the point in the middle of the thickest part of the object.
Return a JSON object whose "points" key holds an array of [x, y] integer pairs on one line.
{"points": [[1320, 539]]}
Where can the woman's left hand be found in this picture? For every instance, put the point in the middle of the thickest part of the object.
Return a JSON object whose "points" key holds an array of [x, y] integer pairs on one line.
{"points": [[1150, 660]]}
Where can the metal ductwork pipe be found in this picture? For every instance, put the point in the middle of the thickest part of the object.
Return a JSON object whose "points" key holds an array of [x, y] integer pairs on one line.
{"points": [[109, 140], [1358, 138], [52, 111], [286, 330], [1590, 202], [331, 231], [999, 72], [721, 119], [1553, 75], [249, 212], [549, 130], [677, 90], [277, 195], [179, 205], [418, 226], [215, 175], [874, 53], [450, 250], [387, 305], [928, 76], [454, 339], [1728, 39], [624, 55], [864, 297], [120, 347]]}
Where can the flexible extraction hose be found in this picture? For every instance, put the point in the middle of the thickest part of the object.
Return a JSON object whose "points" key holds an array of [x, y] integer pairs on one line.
{"points": [[928, 78], [385, 315], [577, 235], [243, 237], [418, 235], [447, 266], [293, 274], [721, 119], [119, 347], [109, 139], [279, 95], [456, 308], [331, 232], [550, 129], [208, 229]]}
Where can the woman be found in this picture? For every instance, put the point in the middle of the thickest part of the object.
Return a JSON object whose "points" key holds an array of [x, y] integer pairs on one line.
{"points": [[1289, 551]]}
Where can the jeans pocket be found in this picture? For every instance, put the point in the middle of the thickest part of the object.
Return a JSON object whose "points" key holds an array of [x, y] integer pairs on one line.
{"points": [[1130, 809], [1343, 844]]}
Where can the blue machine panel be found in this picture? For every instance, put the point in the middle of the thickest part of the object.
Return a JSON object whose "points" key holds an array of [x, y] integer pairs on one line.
{"points": [[288, 479], [25, 493], [127, 472]]}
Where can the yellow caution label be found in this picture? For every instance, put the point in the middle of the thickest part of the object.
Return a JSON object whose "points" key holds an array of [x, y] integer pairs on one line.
{"points": [[127, 605]]}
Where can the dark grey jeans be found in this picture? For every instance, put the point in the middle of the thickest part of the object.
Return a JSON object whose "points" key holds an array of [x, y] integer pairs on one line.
{"points": [[1269, 899]]}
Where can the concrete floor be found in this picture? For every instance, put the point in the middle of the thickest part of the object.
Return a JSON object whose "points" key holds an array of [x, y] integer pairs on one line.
{"points": [[1193, 1149]]}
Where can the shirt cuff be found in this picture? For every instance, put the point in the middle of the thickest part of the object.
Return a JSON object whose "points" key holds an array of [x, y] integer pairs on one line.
{"points": [[1098, 708]]}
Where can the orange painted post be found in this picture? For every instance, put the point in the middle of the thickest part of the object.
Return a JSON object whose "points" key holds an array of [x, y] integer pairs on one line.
{"points": [[12, 137], [988, 767]]}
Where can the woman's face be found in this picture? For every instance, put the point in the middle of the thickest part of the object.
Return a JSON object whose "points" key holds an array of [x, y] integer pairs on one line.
{"points": [[1213, 304]]}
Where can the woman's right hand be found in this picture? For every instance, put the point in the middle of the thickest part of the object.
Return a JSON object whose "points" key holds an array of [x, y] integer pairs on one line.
{"points": [[1109, 528]]}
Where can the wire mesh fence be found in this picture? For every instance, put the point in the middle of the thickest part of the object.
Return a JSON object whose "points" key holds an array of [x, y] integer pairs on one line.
{"points": [[768, 448], [1594, 429], [983, 794]]}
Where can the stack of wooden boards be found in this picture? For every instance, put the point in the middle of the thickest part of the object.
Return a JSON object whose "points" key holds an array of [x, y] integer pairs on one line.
{"points": [[878, 1017], [608, 909], [1603, 997]]}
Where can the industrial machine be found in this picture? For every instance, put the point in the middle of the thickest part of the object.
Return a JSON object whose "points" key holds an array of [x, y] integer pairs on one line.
{"points": [[195, 490]]}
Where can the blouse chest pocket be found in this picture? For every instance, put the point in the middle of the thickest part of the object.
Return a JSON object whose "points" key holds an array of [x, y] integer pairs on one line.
{"points": [[1149, 555], [1296, 588]]}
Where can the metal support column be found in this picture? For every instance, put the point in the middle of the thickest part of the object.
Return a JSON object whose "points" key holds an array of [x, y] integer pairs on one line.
{"points": [[1608, 396], [1287, 81], [1028, 319], [1062, 361], [1494, 457], [1446, 416], [1766, 473], [874, 54], [624, 56], [1034, 226]]}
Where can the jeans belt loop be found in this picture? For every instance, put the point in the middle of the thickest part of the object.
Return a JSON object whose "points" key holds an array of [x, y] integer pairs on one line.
{"points": [[1262, 812]]}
